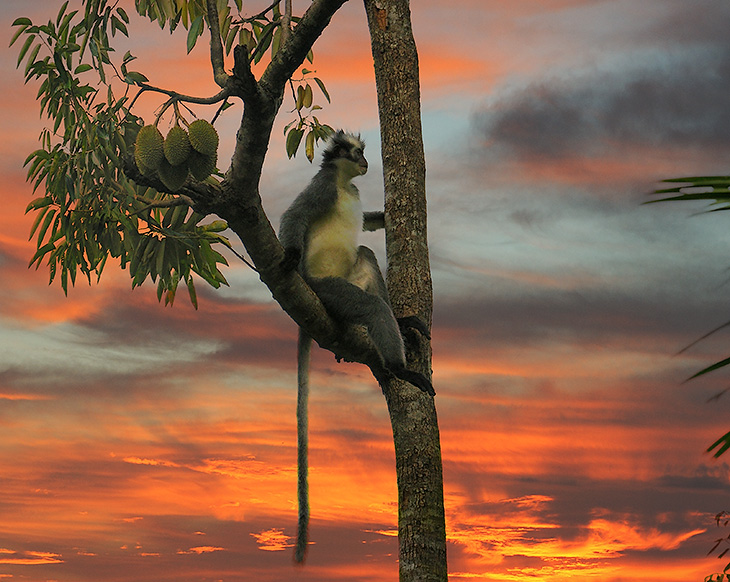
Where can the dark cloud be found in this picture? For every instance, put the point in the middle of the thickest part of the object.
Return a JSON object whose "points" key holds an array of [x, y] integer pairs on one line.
{"points": [[678, 99], [590, 316]]}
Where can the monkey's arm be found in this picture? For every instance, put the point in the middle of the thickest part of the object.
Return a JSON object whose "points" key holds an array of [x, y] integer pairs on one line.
{"points": [[315, 201], [374, 220]]}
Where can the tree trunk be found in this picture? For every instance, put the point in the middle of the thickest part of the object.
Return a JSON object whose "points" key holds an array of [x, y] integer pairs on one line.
{"points": [[421, 521]]}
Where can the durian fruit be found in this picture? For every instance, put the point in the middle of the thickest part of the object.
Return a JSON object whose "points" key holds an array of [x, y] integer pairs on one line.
{"points": [[177, 146], [200, 165], [148, 149], [203, 137], [173, 177]]}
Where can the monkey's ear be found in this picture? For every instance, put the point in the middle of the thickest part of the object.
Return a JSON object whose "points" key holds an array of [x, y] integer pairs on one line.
{"points": [[290, 262]]}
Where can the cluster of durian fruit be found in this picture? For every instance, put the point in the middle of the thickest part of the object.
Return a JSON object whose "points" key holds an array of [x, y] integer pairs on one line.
{"points": [[171, 158]]}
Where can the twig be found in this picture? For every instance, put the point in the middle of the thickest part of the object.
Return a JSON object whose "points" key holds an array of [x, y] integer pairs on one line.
{"points": [[180, 200], [262, 13], [216, 45], [286, 21]]}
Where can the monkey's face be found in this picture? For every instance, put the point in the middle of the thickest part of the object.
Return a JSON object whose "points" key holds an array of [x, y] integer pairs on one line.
{"points": [[358, 157], [353, 163]]}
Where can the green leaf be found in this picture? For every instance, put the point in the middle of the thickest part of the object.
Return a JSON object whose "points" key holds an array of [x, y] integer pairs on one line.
{"points": [[309, 146], [293, 140], [192, 293], [41, 252], [712, 368], [22, 21], [18, 32], [118, 25], [307, 98], [725, 439], [133, 77], [38, 203], [323, 89], [24, 49], [46, 224], [195, 31]]}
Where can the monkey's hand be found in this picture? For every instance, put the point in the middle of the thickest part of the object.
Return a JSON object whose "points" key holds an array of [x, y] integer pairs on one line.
{"points": [[290, 262], [414, 322], [374, 220], [418, 380]]}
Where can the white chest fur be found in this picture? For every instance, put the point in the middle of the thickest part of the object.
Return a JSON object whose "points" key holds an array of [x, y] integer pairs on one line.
{"points": [[332, 248]]}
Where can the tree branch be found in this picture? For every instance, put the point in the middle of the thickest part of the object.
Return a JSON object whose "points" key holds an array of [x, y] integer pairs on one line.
{"points": [[216, 45], [286, 21], [238, 201], [174, 95], [293, 52]]}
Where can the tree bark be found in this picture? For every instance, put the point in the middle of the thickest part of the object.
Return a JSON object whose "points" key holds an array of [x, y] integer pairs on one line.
{"points": [[421, 519]]}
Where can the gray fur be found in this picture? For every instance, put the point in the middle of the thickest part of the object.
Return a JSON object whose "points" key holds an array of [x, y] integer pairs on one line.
{"points": [[345, 277]]}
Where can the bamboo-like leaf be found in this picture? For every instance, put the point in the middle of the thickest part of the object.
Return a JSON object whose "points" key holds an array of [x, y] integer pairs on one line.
{"points": [[38, 203], [723, 439], [37, 221], [22, 21], [712, 368], [322, 88], [191, 292], [194, 32], [40, 253], [24, 49], [44, 227], [22, 28]]}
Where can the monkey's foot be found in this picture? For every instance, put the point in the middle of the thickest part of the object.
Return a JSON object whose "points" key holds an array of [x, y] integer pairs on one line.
{"points": [[418, 380], [414, 322]]}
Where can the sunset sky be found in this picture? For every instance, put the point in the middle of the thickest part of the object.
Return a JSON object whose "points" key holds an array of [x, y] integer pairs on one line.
{"points": [[144, 443]]}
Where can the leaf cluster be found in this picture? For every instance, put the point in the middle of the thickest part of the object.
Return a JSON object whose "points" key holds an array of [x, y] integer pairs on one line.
{"points": [[712, 188], [306, 122], [90, 209], [95, 204], [721, 519], [715, 189]]}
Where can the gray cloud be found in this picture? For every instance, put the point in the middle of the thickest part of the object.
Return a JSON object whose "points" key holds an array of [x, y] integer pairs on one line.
{"points": [[683, 102]]}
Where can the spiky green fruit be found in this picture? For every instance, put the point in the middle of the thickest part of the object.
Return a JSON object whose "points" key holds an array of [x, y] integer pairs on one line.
{"points": [[148, 149], [203, 137], [177, 146], [173, 177], [142, 168], [201, 166]]}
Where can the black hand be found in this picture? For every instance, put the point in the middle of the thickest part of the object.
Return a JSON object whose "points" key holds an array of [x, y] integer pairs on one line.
{"points": [[290, 262], [414, 322], [418, 380]]}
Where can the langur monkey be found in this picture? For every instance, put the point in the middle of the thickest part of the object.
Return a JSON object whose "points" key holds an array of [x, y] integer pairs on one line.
{"points": [[319, 232]]}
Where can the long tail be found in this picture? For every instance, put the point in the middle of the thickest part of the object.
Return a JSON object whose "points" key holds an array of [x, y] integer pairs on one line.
{"points": [[304, 348]]}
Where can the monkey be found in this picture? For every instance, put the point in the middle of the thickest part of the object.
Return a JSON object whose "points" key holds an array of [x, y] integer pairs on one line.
{"points": [[319, 233]]}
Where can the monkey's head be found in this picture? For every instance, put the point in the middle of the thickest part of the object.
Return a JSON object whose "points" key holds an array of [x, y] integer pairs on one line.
{"points": [[345, 151]]}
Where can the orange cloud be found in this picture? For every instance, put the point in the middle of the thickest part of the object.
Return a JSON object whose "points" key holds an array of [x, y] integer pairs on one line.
{"points": [[273, 540], [29, 558]]}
